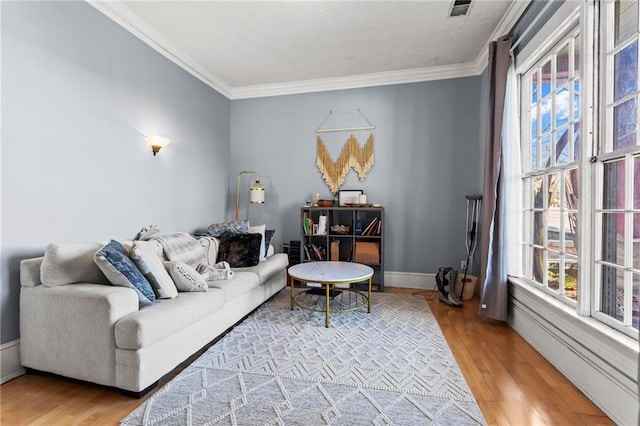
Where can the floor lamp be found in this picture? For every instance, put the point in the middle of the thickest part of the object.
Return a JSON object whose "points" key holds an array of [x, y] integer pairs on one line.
{"points": [[257, 191]]}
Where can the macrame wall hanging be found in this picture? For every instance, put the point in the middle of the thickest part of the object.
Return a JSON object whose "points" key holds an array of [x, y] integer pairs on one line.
{"points": [[354, 129]]}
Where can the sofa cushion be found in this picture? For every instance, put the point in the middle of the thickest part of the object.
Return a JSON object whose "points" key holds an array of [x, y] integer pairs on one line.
{"points": [[267, 269], [235, 227], [114, 262], [70, 263], [240, 250], [240, 283], [147, 257], [185, 277], [260, 230], [268, 235], [166, 317]]}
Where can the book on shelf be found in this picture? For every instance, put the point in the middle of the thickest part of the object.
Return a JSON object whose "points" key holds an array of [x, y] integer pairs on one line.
{"points": [[315, 252], [371, 227], [379, 228], [308, 226]]}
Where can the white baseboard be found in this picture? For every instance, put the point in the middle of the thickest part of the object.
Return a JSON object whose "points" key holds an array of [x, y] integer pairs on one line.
{"points": [[10, 367], [600, 362], [419, 281]]}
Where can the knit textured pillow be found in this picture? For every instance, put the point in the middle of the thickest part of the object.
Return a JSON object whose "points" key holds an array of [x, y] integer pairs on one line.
{"points": [[185, 277], [114, 262], [240, 250], [235, 227], [146, 256]]}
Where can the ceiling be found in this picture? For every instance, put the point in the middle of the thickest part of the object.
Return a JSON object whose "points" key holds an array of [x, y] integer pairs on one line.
{"points": [[249, 49]]}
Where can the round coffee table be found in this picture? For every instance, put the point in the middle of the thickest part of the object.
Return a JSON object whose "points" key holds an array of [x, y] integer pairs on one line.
{"points": [[330, 274]]}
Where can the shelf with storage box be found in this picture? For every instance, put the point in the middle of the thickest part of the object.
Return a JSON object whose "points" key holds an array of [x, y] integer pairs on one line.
{"points": [[348, 234]]}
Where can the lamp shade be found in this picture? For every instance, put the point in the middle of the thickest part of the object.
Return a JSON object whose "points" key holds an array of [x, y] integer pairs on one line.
{"points": [[257, 193], [156, 142]]}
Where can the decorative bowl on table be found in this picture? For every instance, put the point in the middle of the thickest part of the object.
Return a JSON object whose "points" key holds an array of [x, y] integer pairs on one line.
{"points": [[326, 203]]}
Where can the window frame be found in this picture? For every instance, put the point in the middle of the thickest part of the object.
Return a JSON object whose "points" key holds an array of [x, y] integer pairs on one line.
{"points": [[545, 53]]}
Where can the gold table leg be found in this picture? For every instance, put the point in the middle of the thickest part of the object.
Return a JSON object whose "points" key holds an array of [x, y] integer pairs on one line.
{"points": [[369, 295], [326, 308]]}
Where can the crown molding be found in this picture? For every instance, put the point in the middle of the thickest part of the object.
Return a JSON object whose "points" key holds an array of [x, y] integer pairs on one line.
{"points": [[118, 12], [505, 25], [386, 78]]}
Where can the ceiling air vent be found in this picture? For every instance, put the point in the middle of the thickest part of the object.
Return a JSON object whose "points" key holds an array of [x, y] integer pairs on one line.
{"points": [[460, 7]]}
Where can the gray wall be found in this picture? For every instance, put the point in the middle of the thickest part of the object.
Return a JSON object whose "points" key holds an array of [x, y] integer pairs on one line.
{"points": [[78, 93], [427, 158]]}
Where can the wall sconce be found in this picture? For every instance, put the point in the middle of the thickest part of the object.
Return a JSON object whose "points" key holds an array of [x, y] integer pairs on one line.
{"points": [[257, 191], [156, 142]]}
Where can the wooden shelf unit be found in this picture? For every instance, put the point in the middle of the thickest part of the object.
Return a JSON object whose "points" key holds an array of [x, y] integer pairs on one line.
{"points": [[347, 216]]}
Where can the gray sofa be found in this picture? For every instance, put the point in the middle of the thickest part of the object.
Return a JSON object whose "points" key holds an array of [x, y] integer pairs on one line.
{"points": [[97, 333]]}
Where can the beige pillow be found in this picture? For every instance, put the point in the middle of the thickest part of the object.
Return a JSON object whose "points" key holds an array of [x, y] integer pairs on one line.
{"points": [[185, 277], [146, 256], [70, 263]]}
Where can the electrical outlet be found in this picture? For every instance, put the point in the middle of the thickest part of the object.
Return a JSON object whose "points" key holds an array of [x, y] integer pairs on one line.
{"points": [[463, 265]]}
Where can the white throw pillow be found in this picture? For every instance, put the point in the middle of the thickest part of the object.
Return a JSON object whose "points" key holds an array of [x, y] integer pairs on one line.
{"points": [[185, 277], [259, 230], [146, 256], [70, 263]]}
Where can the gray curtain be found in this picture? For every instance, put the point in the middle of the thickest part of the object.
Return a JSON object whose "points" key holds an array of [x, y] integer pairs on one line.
{"points": [[492, 243]]}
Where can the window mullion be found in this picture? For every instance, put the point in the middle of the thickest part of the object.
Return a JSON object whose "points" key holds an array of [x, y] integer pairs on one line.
{"points": [[588, 135]]}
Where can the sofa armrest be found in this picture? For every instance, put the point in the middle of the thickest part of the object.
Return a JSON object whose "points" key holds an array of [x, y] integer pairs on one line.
{"points": [[70, 329], [30, 272]]}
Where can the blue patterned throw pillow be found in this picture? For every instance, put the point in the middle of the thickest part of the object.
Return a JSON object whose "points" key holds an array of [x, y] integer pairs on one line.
{"points": [[234, 227], [113, 261]]}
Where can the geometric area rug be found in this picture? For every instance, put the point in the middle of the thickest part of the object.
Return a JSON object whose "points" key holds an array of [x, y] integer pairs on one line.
{"points": [[283, 367]]}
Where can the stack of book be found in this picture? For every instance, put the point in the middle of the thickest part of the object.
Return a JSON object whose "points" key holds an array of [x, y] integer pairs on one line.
{"points": [[315, 252], [373, 228]]}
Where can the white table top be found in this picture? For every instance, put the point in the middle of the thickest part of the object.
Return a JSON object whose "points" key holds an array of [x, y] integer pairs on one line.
{"points": [[331, 272]]}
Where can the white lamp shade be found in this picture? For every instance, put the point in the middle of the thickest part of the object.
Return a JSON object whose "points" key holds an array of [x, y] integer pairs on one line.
{"points": [[257, 194], [155, 140]]}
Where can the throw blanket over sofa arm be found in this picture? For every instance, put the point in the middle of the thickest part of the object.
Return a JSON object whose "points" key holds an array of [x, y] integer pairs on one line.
{"points": [[69, 329]]}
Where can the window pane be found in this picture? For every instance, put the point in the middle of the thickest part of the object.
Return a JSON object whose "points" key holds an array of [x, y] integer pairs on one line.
{"points": [[554, 191], [571, 277], [576, 56], [612, 292], [576, 99], [534, 87], [538, 228], [576, 142], [626, 19], [625, 71], [636, 185], [533, 116], [570, 233], [562, 66], [553, 277], [571, 189], [545, 119], [538, 261], [545, 83], [534, 154], [538, 196], [562, 107], [624, 124], [613, 185], [635, 320], [613, 238], [545, 159], [553, 230], [636, 241], [562, 146]]}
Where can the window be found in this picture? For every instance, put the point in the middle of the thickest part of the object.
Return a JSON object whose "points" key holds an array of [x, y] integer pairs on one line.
{"points": [[617, 258], [557, 168], [550, 152]]}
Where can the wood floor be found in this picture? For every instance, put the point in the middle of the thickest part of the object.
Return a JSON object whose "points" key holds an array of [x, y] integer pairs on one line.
{"points": [[513, 384]]}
